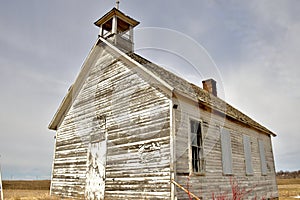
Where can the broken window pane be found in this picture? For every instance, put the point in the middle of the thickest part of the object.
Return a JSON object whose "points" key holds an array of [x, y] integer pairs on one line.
{"points": [[196, 146]]}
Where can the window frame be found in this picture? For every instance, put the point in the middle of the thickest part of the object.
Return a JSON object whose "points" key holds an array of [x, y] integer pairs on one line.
{"points": [[248, 155], [201, 161], [225, 157], [263, 158]]}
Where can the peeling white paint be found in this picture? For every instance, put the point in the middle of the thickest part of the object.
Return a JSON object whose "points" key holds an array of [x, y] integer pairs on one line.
{"points": [[95, 177], [136, 159], [150, 152]]}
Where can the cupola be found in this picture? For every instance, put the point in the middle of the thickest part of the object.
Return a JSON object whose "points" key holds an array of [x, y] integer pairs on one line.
{"points": [[117, 28]]}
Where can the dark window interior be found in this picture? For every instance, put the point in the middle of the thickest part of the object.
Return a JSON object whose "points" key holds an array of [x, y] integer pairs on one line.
{"points": [[196, 143]]}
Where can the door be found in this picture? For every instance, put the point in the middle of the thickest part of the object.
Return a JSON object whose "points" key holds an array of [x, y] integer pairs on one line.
{"points": [[96, 162]]}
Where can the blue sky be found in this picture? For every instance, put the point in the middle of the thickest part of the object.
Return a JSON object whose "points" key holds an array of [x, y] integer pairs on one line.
{"points": [[255, 46]]}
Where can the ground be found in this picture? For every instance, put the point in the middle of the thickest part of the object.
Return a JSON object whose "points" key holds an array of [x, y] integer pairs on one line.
{"points": [[289, 188], [22, 190], [39, 190], [26, 194]]}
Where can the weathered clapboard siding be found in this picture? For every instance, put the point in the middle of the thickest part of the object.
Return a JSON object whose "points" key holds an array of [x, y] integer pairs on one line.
{"points": [[137, 122], [123, 130], [213, 181]]}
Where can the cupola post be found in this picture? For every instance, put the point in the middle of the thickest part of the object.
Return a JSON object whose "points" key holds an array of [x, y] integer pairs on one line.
{"points": [[117, 28]]}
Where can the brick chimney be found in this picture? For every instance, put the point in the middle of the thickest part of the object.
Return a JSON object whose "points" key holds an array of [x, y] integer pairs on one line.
{"points": [[210, 85]]}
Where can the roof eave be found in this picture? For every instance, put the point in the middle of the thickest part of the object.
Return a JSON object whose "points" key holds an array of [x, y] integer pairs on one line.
{"points": [[71, 94], [119, 14], [166, 87], [223, 112], [61, 111], [73, 91]]}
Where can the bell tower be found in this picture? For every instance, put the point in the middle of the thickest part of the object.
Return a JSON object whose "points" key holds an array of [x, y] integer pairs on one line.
{"points": [[117, 28]]}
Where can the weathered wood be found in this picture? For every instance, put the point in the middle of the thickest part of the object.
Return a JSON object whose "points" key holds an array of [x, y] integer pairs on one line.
{"points": [[120, 135], [138, 133], [185, 190], [213, 180]]}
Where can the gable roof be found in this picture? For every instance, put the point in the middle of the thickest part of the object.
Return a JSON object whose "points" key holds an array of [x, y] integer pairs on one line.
{"points": [[169, 82], [77, 85], [188, 89]]}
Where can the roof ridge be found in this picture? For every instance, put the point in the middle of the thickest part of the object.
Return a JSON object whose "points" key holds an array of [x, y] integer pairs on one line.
{"points": [[202, 95], [171, 81]]}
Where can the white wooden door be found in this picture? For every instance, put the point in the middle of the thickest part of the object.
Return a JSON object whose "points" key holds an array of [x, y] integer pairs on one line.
{"points": [[95, 176]]}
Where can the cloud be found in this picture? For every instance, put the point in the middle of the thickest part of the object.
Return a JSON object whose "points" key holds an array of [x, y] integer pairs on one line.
{"points": [[256, 47], [264, 84], [42, 47], [43, 44]]}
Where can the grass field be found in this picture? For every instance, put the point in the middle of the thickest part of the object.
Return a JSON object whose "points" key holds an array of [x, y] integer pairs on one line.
{"points": [[288, 188], [23, 190], [39, 190]]}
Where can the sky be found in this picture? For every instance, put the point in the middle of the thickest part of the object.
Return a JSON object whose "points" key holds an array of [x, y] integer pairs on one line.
{"points": [[254, 48]]}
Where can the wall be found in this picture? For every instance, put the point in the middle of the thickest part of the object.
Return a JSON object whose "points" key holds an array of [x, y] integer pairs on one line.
{"points": [[212, 181], [120, 107]]}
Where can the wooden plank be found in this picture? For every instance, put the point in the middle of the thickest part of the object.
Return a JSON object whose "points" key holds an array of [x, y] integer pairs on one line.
{"points": [[213, 180], [138, 130]]}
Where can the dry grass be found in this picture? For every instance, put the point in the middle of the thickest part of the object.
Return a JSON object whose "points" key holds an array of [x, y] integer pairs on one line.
{"points": [[25, 190], [288, 188], [27, 185], [288, 181], [39, 190], [26, 194]]}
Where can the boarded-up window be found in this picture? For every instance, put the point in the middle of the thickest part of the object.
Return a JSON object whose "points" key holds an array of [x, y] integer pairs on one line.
{"points": [[263, 162], [226, 152], [196, 146], [248, 155]]}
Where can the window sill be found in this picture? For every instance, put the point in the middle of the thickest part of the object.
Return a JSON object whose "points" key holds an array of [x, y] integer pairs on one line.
{"points": [[264, 174], [228, 174], [197, 174]]}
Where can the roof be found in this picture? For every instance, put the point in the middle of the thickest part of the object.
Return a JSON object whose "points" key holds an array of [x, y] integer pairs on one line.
{"points": [[188, 89], [167, 79], [124, 21]]}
